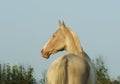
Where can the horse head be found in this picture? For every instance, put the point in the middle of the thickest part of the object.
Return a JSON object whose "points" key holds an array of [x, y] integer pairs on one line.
{"points": [[56, 43]]}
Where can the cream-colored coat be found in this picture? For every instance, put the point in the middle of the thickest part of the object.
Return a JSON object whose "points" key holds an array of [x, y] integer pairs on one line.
{"points": [[73, 68]]}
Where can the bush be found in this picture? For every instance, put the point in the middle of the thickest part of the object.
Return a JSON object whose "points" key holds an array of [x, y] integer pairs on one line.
{"points": [[16, 75], [102, 72]]}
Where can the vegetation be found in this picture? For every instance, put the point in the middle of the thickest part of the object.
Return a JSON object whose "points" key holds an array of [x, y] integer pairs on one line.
{"points": [[43, 79], [16, 75], [102, 73], [19, 75]]}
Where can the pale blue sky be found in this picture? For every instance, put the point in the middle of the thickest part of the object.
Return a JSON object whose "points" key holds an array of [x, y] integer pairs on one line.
{"points": [[26, 25]]}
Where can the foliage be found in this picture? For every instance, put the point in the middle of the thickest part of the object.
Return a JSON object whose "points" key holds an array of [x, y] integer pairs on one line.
{"points": [[43, 80], [16, 75], [102, 72]]}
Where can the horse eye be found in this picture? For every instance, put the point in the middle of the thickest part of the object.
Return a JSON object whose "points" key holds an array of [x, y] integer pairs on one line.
{"points": [[53, 35]]}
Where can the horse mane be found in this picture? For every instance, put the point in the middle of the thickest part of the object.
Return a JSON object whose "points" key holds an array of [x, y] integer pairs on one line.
{"points": [[74, 37], [76, 40]]}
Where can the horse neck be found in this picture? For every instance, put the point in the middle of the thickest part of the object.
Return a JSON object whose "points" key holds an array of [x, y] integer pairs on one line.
{"points": [[73, 44]]}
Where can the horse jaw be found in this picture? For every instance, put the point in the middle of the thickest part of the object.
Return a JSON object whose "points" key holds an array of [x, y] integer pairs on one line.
{"points": [[47, 54]]}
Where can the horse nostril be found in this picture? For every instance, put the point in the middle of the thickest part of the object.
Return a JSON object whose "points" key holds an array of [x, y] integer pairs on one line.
{"points": [[42, 51]]}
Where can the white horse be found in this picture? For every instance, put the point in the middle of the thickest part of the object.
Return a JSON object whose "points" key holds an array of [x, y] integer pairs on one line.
{"points": [[73, 68]]}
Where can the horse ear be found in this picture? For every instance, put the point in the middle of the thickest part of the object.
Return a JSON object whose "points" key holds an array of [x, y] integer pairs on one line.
{"points": [[61, 24]]}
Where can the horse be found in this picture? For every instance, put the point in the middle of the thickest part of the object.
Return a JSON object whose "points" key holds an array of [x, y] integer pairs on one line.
{"points": [[72, 68]]}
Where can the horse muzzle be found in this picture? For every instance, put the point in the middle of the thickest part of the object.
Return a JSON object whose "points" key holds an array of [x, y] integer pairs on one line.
{"points": [[45, 54]]}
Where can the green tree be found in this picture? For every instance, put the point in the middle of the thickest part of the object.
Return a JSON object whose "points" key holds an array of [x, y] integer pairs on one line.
{"points": [[43, 79], [102, 71], [16, 75]]}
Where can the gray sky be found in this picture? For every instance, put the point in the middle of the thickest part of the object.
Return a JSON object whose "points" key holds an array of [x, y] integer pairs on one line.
{"points": [[26, 25]]}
